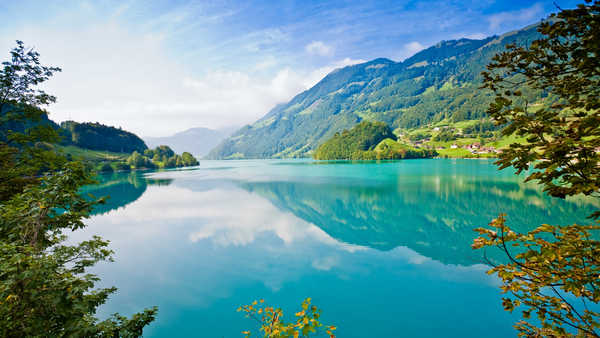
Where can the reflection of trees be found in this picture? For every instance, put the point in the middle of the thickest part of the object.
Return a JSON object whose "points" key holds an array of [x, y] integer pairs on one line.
{"points": [[431, 215], [121, 188]]}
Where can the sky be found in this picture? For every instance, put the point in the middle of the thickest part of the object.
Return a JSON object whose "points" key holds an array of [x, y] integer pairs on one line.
{"points": [[160, 67]]}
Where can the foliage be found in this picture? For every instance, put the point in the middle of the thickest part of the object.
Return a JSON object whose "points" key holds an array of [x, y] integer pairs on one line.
{"points": [[561, 138], [273, 324], [444, 136], [418, 136], [368, 141], [389, 149], [556, 264], [188, 159], [97, 136], [480, 128], [44, 287], [138, 161], [161, 157], [349, 144], [557, 268], [23, 154]]}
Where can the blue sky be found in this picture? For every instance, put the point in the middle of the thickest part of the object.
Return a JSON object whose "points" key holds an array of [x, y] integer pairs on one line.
{"points": [[158, 67]]}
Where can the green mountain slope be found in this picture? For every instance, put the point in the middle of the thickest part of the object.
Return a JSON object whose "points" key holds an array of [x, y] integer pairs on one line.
{"points": [[441, 82]]}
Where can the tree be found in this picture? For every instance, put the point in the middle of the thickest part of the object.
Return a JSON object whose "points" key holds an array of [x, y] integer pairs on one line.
{"points": [[556, 272], [273, 325], [21, 156], [44, 287], [562, 134], [189, 159]]}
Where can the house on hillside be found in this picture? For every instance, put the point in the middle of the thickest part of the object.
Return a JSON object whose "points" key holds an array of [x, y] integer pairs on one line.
{"points": [[473, 146]]}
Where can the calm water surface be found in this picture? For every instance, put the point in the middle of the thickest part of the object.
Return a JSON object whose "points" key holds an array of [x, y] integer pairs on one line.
{"points": [[383, 249]]}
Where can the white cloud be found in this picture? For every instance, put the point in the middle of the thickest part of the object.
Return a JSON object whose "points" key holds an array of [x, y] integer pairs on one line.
{"points": [[473, 36], [410, 49], [476, 36], [319, 48], [121, 78], [254, 216], [318, 74], [519, 17]]}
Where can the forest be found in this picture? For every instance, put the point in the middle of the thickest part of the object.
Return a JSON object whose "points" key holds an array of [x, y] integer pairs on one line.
{"points": [[368, 141]]}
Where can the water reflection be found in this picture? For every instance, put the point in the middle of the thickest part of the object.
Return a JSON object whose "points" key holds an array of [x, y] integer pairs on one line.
{"points": [[120, 189], [393, 237], [434, 216], [431, 213]]}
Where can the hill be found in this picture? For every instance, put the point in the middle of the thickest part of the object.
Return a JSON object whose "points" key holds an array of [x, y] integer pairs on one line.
{"points": [[368, 141], [96, 136], [351, 144], [198, 141], [439, 83]]}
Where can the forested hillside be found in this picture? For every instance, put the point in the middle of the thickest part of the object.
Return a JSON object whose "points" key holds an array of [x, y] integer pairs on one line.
{"points": [[350, 144], [93, 136], [368, 141], [439, 83], [12, 125], [96, 136]]}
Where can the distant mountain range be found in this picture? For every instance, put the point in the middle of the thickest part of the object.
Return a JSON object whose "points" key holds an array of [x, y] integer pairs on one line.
{"points": [[438, 83], [198, 141]]}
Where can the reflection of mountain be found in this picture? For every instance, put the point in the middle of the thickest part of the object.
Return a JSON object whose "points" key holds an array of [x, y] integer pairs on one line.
{"points": [[121, 189], [431, 215]]}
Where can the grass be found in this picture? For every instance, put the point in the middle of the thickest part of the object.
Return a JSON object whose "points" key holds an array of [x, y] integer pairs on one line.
{"points": [[458, 152], [505, 141], [459, 141], [392, 144], [501, 142], [92, 155], [462, 153]]}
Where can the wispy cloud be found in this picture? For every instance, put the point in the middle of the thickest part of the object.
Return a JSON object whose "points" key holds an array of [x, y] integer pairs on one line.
{"points": [[159, 67], [410, 49], [318, 74], [519, 17], [319, 48]]}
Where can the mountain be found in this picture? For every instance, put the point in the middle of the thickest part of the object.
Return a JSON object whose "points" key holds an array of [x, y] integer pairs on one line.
{"points": [[198, 141], [441, 82]]}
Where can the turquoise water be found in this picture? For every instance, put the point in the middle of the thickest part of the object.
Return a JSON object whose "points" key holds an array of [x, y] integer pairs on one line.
{"points": [[383, 249]]}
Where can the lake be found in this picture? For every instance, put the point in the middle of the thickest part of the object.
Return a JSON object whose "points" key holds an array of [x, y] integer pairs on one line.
{"points": [[382, 248]]}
